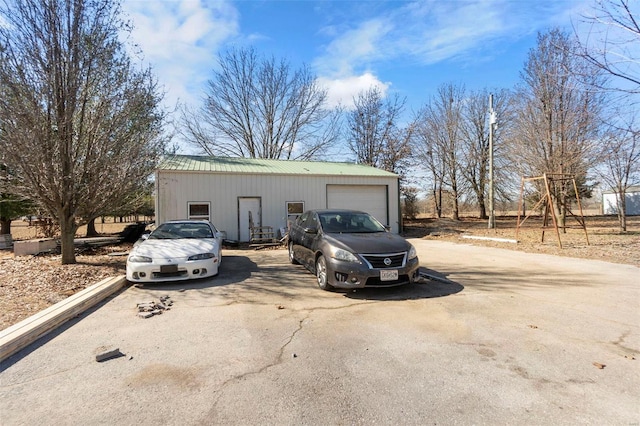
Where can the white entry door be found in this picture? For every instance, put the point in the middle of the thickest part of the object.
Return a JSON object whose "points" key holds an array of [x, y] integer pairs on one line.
{"points": [[248, 206]]}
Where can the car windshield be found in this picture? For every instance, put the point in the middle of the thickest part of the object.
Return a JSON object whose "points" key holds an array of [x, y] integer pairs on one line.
{"points": [[349, 223], [169, 231]]}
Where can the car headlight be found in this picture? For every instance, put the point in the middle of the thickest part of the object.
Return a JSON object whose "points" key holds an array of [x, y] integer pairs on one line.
{"points": [[202, 256], [412, 253], [344, 255], [139, 259]]}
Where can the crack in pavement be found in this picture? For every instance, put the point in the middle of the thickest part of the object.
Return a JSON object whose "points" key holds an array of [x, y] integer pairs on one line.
{"points": [[279, 358]]}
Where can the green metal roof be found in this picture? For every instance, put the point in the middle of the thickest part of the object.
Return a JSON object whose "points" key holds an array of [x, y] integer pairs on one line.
{"points": [[195, 163]]}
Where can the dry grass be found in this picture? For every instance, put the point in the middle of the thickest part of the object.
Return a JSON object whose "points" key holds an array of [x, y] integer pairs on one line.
{"points": [[23, 231]]}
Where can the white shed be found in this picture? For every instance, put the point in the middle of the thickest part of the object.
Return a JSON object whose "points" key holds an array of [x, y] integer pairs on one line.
{"points": [[632, 201], [232, 191]]}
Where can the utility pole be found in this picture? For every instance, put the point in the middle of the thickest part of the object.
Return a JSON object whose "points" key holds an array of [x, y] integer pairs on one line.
{"points": [[492, 121]]}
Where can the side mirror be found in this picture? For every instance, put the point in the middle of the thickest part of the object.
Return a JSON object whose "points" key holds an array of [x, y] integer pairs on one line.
{"points": [[142, 238]]}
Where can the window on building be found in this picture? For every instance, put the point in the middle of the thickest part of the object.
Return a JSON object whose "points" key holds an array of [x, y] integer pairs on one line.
{"points": [[294, 209], [200, 210]]}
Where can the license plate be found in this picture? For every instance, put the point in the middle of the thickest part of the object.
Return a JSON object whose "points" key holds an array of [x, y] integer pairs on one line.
{"points": [[388, 275], [168, 269]]}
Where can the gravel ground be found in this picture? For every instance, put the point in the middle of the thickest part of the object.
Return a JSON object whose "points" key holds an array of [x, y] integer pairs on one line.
{"points": [[29, 284]]}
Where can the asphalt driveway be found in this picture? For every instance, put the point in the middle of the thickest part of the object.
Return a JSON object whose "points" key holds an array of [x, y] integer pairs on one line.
{"points": [[506, 338]]}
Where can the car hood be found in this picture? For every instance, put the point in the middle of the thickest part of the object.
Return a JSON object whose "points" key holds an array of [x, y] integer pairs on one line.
{"points": [[175, 248], [374, 242]]}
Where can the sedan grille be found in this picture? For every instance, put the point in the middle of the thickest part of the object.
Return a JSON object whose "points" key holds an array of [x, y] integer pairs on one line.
{"points": [[375, 281], [377, 261], [159, 275]]}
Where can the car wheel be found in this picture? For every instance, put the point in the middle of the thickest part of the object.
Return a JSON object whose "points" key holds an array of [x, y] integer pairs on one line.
{"points": [[321, 273], [292, 258]]}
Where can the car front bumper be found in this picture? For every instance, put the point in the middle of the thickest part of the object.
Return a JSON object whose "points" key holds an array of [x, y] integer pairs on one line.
{"points": [[349, 275], [160, 271]]}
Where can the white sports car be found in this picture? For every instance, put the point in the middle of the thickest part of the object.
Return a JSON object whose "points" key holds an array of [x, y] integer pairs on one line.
{"points": [[176, 250]]}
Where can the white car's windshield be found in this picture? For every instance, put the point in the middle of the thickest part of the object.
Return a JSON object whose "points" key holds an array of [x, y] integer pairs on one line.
{"points": [[168, 231], [349, 223]]}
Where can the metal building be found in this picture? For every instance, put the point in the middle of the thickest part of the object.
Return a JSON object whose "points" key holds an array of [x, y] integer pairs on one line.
{"points": [[241, 194], [632, 201]]}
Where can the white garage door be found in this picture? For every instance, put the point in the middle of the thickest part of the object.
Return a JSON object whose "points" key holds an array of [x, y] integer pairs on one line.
{"points": [[369, 198]]}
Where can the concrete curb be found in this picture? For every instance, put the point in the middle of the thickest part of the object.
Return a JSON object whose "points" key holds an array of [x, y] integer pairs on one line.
{"points": [[500, 240], [29, 330]]}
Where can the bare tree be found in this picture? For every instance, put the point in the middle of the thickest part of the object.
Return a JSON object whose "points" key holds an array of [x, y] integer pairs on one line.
{"points": [[261, 108], [621, 163], [396, 157], [425, 150], [375, 137], [611, 45], [475, 143], [557, 115], [80, 124], [439, 138], [612, 41]]}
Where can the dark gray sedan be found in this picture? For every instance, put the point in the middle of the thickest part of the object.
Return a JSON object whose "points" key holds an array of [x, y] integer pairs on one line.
{"points": [[351, 249]]}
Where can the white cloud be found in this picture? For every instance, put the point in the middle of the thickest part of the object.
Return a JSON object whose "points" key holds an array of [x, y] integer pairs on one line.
{"points": [[180, 40], [427, 32], [423, 32], [354, 46], [341, 91]]}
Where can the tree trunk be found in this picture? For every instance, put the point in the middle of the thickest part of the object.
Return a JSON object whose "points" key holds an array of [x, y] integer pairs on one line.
{"points": [[560, 213], [456, 204], [482, 207], [454, 193], [5, 226], [91, 229], [622, 211], [67, 234]]}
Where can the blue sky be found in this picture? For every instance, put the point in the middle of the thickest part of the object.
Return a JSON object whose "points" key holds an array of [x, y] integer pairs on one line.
{"points": [[403, 47]]}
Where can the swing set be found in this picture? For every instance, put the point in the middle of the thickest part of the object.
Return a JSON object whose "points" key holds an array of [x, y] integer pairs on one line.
{"points": [[555, 181]]}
